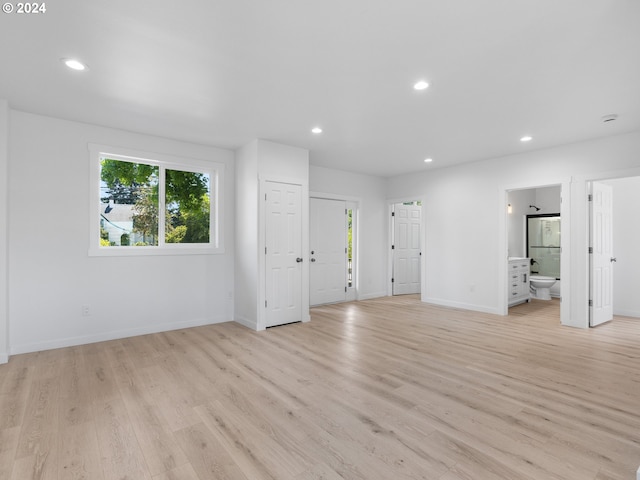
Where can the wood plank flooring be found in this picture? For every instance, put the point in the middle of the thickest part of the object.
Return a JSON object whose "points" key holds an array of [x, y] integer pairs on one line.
{"points": [[389, 388]]}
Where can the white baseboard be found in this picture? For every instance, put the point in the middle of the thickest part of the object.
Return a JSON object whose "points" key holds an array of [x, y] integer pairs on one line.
{"points": [[463, 306], [115, 335], [250, 324], [369, 296], [627, 313]]}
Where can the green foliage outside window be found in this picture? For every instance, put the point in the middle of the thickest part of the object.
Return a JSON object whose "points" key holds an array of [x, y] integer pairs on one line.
{"points": [[187, 201]]}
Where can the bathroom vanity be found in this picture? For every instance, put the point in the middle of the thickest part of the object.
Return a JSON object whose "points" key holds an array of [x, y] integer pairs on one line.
{"points": [[518, 279]]}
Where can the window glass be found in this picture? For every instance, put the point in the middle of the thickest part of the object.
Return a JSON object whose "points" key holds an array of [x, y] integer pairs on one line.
{"points": [[128, 203], [188, 207]]}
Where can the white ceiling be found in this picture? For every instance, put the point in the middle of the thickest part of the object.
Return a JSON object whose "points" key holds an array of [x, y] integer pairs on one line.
{"points": [[225, 72]]}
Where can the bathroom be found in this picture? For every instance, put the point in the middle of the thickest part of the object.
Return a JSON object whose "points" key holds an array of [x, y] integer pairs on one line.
{"points": [[536, 237]]}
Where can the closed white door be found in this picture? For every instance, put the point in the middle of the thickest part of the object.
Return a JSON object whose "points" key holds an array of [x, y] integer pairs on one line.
{"points": [[283, 229], [601, 297], [328, 251], [406, 249]]}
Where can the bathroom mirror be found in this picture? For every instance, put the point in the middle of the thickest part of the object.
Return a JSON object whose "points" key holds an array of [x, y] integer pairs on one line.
{"points": [[543, 244]]}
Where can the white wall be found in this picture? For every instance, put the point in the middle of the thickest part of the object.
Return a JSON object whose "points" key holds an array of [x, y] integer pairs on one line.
{"points": [[626, 238], [246, 228], [257, 162], [465, 219], [547, 199], [4, 209], [372, 223], [51, 275]]}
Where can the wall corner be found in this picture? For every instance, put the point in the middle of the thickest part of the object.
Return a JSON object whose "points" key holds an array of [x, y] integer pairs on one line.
{"points": [[4, 231]]}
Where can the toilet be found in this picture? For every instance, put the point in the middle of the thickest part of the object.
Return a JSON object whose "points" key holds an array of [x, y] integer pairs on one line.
{"points": [[540, 286]]}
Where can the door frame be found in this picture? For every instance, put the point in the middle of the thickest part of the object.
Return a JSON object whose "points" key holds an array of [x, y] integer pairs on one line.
{"points": [[566, 285], [262, 264], [353, 203], [390, 204]]}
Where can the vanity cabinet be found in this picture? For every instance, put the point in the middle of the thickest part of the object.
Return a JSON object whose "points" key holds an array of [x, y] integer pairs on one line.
{"points": [[518, 279]]}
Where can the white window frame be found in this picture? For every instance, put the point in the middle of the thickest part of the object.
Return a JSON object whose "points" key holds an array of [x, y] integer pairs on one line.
{"points": [[215, 170]]}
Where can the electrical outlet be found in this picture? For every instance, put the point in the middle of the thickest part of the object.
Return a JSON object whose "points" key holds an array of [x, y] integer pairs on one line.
{"points": [[85, 311]]}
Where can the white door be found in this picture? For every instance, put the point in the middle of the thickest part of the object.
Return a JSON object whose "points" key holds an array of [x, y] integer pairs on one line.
{"points": [[601, 295], [283, 229], [406, 249], [328, 249]]}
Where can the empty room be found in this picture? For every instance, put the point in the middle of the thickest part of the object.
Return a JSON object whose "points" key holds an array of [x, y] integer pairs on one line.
{"points": [[335, 240]]}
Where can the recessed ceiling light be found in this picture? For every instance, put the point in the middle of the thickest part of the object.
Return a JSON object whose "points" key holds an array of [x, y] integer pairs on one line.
{"points": [[421, 85], [428, 160], [526, 138], [316, 130], [74, 64]]}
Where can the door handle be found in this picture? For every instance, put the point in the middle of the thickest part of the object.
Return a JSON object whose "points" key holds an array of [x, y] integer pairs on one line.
{"points": [[313, 259], [298, 260], [614, 259]]}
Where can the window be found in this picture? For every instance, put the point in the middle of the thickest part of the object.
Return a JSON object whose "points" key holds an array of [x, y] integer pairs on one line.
{"points": [[146, 204]]}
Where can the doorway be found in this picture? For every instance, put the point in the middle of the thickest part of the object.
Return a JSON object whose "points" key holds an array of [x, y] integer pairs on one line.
{"points": [[532, 235], [406, 219]]}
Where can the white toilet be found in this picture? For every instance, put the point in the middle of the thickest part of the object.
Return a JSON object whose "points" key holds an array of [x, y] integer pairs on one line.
{"points": [[540, 286]]}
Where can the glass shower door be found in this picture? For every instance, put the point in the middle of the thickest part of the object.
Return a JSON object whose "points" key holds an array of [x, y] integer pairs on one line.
{"points": [[543, 244]]}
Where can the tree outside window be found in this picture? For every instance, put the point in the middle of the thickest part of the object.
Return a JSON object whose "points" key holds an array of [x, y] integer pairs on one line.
{"points": [[130, 204]]}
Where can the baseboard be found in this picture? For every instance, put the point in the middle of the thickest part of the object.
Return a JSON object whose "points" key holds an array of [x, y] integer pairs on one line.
{"points": [[116, 335], [627, 313], [462, 306], [245, 322], [369, 296]]}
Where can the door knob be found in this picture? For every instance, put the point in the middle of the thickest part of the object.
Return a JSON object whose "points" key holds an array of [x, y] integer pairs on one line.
{"points": [[313, 259], [614, 259], [298, 260]]}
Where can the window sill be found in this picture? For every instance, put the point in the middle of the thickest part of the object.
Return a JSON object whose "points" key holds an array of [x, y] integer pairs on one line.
{"points": [[153, 251]]}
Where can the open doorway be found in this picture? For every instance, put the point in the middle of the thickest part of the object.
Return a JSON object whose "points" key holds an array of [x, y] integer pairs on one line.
{"points": [[533, 245]]}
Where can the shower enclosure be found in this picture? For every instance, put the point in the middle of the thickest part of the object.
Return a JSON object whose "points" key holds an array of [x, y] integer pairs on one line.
{"points": [[543, 244]]}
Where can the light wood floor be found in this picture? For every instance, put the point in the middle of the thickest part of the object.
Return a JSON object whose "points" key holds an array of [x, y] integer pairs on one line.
{"points": [[382, 389]]}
